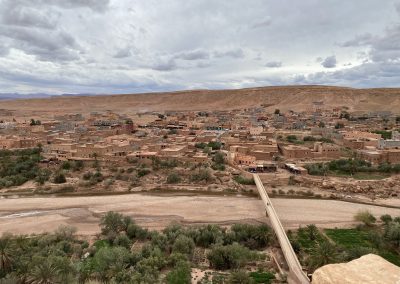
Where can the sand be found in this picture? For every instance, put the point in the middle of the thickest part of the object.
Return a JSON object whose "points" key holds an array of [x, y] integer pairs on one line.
{"points": [[41, 214]]}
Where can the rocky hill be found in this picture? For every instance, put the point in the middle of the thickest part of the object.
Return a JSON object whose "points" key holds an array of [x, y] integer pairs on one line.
{"points": [[369, 268], [298, 98]]}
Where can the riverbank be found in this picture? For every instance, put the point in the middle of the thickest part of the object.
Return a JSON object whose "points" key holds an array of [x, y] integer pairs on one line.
{"points": [[40, 214]]}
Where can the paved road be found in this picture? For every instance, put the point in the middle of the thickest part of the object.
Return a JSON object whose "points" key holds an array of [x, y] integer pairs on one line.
{"points": [[296, 274]]}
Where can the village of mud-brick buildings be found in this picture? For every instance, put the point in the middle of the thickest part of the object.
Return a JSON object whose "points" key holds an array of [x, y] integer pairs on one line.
{"points": [[254, 140]]}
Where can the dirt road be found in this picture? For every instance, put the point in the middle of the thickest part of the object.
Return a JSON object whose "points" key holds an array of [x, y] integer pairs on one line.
{"points": [[35, 215]]}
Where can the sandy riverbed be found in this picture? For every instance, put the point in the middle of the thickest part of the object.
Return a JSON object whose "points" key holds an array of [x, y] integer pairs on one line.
{"points": [[36, 215]]}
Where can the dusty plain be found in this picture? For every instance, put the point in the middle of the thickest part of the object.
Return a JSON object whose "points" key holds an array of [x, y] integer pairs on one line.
{"points": [[285, 98], [39, 214]]}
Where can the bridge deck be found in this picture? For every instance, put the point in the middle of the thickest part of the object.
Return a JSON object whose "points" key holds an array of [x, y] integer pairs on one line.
{"points": [[296, 274]]}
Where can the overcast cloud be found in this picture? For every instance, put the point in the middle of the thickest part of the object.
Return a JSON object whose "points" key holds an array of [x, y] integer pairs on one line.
{"points": [[129, 46]]}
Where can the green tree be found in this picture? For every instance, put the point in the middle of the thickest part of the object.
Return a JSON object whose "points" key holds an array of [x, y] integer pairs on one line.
{"points": [[215, 145], [112, 222], [323, 253], [109, 261], [43, 272], [181, 274], [230, 257], [184, 245], [65, 270]]}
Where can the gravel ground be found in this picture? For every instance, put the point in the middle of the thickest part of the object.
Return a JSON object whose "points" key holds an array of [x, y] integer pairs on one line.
{"points": [[36, 215]]}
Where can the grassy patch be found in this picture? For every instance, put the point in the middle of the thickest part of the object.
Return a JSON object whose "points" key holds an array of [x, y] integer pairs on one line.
{"points": [[391, 257], [262, 277], [348, 237], [306, 243], [353, 238]]}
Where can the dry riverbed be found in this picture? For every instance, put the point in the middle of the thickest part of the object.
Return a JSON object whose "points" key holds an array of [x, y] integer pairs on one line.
{"points": [[39, 214]]}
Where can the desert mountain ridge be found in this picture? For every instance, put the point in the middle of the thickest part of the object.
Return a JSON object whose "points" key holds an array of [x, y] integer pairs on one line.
{"points": [[297, 98]]}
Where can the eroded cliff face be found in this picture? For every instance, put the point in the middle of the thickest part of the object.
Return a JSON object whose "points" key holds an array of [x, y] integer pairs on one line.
{"points": [[368, 269]]}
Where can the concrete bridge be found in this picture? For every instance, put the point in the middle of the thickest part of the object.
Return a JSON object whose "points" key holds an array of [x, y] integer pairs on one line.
{"points": [[296, 273]]}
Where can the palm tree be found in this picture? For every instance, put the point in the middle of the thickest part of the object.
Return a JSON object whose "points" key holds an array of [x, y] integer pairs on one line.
{"points": [[44, 272], [6, 253], [323, 253], [65, 269], [393, 233], [312, 231]]}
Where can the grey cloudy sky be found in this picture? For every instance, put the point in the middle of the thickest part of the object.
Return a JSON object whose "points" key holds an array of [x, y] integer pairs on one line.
{"points": [[123, 46]]}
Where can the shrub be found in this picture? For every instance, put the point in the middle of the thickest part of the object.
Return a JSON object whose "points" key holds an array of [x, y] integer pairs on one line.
{"points": [[181, 274], [78, 166], [291, 138], [230, 257], [339, 125], [365, 217], [59, 178], [386, 218], [215, 145], [201, 145], [251, 236], [183, 245], [143, 172], [173, 178], [291, 180], [66, 165], [42, 176], [240, 277], [219, 158], [201, 175], [136, 232], [262, 277], [87, 176], [243, 180], [122, 241]]}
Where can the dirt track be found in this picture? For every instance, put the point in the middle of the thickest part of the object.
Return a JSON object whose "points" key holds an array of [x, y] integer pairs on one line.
{"points": [[35, 215]]}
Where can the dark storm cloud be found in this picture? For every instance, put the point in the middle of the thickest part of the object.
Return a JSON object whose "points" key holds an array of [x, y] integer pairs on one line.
{"points": [[52, 45], [24, 16], [110, 46], [329, 62]]}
